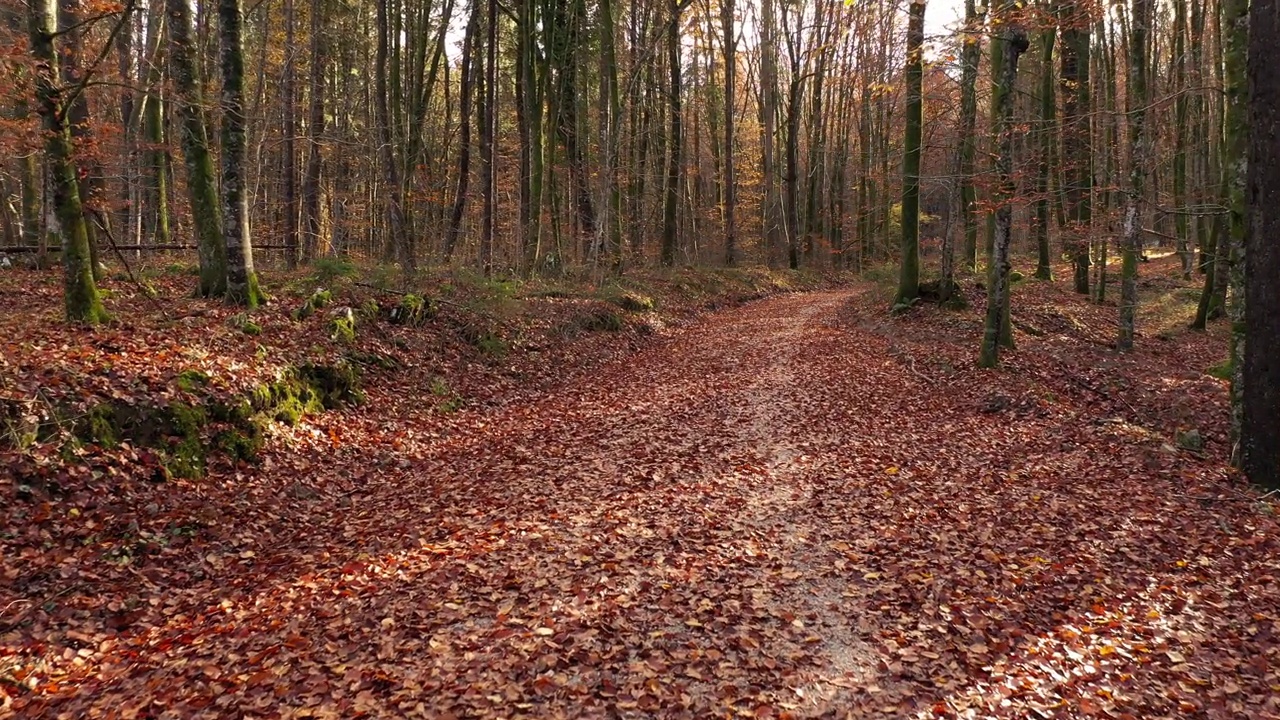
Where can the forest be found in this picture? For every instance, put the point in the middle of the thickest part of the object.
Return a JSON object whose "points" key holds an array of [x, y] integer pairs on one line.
{"points": [[659, 358]]}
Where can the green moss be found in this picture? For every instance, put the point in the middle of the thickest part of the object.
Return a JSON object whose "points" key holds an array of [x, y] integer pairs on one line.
{"points": [[185, 457], [308, 389], [342, 326], [336, 385], [412, 310], [314, 302], [1016, 276], [261, 397], [180, 432], [101, 426], [1222, 371], [290, 410], [191, 380], [250, 296], [369, 309], [251, 328], [236, 411]]}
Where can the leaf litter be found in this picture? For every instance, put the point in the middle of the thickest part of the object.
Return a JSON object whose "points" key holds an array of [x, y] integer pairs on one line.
{"points": [[795, 508]]}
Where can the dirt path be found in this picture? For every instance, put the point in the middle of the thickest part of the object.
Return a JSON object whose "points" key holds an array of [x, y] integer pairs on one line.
{"points": [[747, 518]]}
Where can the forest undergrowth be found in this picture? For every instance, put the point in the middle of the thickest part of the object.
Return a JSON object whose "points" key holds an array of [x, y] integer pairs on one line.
{"points": [[562, 499]]}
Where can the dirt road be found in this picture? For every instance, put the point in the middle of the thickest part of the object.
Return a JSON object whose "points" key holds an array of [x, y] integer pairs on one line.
{"points": [[772, 512]]}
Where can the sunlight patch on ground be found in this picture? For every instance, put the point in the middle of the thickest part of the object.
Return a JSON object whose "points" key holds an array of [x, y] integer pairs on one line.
{"points": [[1083, 667]]}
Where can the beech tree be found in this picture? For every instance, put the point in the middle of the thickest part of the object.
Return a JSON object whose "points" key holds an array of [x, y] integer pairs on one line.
{"points": [[909, 280], [970, 57], [1136, 119], [1011, 43], [1077, 149], [1236, 44], [80, 294], [202, 183], [241, 281], [1260, 358]]}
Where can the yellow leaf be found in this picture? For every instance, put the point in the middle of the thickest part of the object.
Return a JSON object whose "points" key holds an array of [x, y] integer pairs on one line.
{"points": [[891, 470]]}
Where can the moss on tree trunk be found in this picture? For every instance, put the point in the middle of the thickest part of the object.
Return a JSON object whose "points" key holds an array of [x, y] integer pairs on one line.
{"points": [[202, 184], [80, 293]]}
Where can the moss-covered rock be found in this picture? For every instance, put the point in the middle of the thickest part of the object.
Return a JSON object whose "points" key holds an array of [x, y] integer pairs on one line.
{"points": [[243, 441], [185, 456], [1190, 439], [412, 310], [101, 427], [342, 326], [336, 385], [316, 301], [310, 388], [369, 309], [245, 324], [183, 434], [191, 381]]}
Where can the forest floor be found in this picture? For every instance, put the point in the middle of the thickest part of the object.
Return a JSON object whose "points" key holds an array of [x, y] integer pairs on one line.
{"points": [[797, 507]]}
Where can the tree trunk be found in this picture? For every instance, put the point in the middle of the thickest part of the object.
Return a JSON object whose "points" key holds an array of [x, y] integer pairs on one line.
{"points": [[311, 213], [768, 125], [1236, 42], [909, 278], [791, 143], [1259, 389], [289, 169], [80, 119], [730, 197], [1135, 102], [970, 57], [397, 239], [80, 295], [467, 90], [1180, 139], [153, 118], [674, 141], [487, 139], [1048, 110], [1013, 42], [1077, 145], [202, 182], [242, 282]]}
